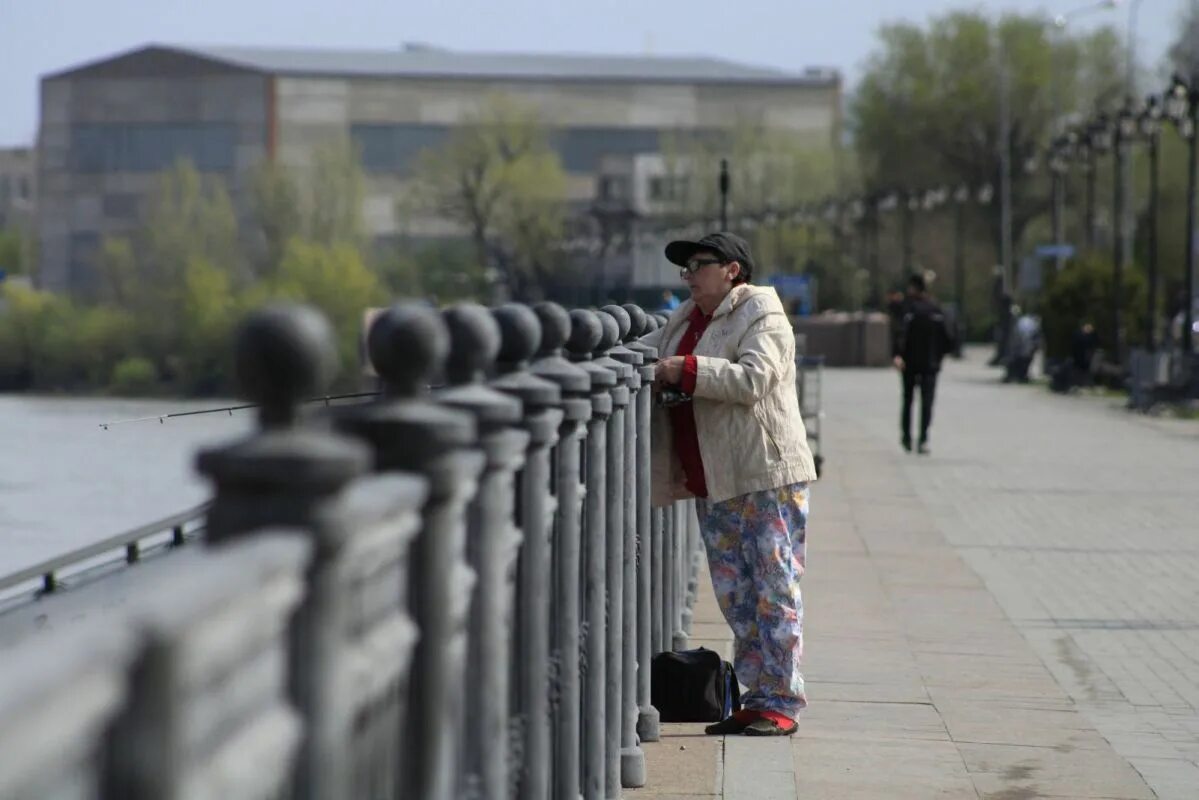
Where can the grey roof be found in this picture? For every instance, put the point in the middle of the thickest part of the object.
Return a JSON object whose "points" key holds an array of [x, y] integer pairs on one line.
{"points": [[421, 61]]}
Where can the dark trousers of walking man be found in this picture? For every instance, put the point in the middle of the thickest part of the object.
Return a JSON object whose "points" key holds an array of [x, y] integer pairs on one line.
{"points": [[926, 382]]}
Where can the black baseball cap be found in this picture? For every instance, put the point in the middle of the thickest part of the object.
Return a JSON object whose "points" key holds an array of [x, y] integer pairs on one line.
{"points": [[728, 246]]}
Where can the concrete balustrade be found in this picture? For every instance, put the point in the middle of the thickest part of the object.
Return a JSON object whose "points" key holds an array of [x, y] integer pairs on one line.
{"points": [[449, 593]]}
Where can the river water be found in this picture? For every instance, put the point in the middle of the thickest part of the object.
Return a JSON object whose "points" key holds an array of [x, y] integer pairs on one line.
{"points": [[65, 481]]}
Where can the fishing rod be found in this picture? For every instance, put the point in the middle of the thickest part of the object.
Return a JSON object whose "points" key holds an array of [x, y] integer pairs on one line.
{"points": [[326, 399]]}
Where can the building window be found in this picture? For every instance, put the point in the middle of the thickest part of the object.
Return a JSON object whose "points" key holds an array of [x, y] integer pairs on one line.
{"points": [[395, 148], [120, 206], [582, 148], [152, 148], [83, 265], [614, 187], [668, 188]]}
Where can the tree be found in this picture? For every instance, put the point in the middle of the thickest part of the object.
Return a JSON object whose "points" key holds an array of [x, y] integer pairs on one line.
{"points": [[151, 274], [440, 271], [334, 191], [12, 252], [926, 112], [1184, 52], [277, 213], [499, 179], [334, 279], [320, 202]]}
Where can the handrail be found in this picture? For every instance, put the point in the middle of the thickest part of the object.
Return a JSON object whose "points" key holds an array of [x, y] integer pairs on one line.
{"points": [[129, 540]]}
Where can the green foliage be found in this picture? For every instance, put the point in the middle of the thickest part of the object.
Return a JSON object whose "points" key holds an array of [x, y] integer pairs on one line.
{"points": [[49, 342], [498, 178], [333, 195], [12, 252], [171, 294], [133, 376], [1184, 52], [337, 281], [441, 271], [926, 112], [1081, 293], [277, 211]]}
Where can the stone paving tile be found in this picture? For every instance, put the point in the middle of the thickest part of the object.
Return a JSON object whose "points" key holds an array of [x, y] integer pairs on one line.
{"points": [[1081, 522], [1051, 771]]}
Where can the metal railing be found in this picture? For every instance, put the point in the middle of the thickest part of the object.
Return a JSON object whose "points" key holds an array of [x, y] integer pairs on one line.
{"points": [[448, 593], [48, 576]]}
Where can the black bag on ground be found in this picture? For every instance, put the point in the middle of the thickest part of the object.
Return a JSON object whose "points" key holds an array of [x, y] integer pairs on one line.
{"points": [[693, 686]]}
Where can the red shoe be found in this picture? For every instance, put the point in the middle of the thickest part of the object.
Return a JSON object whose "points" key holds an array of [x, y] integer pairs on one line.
{"points": [[771, 723], [739, 721]]}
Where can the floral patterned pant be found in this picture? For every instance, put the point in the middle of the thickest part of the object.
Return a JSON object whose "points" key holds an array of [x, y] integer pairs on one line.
{"points": [[756, 554]]}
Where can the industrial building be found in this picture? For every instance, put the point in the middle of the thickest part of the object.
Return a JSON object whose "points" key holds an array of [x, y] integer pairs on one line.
{"points": [[17, 186], [108, 127]]}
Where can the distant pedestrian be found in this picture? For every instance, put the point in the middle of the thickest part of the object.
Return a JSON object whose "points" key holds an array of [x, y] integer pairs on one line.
{"points": [[669, 301], [1026, 341], [920, 344], [736, 443]]}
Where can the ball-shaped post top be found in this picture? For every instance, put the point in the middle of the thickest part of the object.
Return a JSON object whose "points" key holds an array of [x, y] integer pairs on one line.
{"points": [[285, 354], [638, 320], [474, 342], [611, 333], [555, 327], [585, 332], [520, 334], [623, 322], [651, 324], [408, 344]]}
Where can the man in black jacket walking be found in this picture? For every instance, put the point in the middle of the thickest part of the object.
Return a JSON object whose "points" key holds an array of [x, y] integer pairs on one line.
{"points": [[921, 342]]}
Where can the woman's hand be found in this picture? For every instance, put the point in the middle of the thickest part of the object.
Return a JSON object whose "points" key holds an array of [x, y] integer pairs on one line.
{"points": [[669, 371]]}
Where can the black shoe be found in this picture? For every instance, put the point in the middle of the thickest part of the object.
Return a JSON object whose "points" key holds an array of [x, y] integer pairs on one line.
{"points": [[924, 449], [907, 444], [734, 724]]}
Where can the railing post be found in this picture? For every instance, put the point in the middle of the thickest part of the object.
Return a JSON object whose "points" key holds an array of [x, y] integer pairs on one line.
{"points": [[72, 683], [648, 720], [565, 697], [492, 545], [617, 468], [184, 730], [691, 564], [585, 335], [632, 758], [682, 558], [284, 475], [670, 577], [408, 344], [531, 678]]}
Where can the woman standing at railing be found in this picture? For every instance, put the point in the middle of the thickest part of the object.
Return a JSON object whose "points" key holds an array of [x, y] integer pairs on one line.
{"points": [[733, 438]]}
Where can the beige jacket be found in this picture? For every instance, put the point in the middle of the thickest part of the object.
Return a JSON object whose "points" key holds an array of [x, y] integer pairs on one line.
{"points": [[751, 434]]}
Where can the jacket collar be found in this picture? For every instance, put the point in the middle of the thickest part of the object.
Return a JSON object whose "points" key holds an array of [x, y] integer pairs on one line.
{"points": [[682, 315]]}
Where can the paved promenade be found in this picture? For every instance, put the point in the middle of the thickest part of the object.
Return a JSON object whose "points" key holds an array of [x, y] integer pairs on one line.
{"points": [[1014, 617]]}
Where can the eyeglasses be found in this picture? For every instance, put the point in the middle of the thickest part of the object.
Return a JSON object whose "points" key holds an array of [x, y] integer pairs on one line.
{"points": [[696, 264]]}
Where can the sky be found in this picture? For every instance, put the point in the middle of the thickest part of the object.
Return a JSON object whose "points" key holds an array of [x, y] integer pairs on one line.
{"points": [[44, 36]]}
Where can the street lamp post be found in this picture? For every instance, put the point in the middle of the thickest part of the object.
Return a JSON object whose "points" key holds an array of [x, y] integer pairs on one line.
{"points": [[1057, 169], [910, 204], [1150, 130], [1124, 130], [724, 194], [960, 198], [1182, 106]]}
